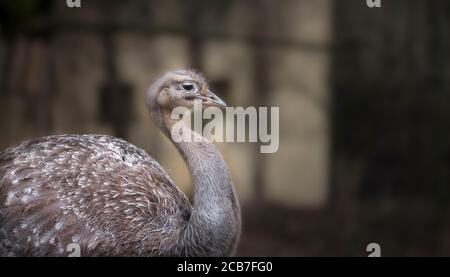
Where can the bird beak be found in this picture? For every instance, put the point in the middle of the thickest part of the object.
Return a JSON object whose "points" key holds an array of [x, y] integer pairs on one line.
{"points": [[211, 100]]}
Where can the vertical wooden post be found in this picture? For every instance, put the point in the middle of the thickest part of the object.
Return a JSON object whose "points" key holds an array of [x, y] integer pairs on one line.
{"points": [[262, 88]]}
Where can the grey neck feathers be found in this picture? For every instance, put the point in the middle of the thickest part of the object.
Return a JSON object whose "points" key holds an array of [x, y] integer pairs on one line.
{"points": [[214, 226]]}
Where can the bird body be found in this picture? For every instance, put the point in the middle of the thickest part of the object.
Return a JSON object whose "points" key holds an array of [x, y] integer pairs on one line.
{"points": [[112, 198], [92, 190]]}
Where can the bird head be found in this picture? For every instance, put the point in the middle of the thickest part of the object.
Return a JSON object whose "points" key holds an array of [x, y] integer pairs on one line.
{"points": [[181, 88]]}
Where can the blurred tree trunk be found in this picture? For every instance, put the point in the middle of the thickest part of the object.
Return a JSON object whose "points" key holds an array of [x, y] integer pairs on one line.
{"points": [[262, 87], [115, 94], [390, 115], [39, 83], [195, 43]]}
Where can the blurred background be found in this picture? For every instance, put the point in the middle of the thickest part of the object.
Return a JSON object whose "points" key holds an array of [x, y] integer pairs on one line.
{"points": [[364, 97]]}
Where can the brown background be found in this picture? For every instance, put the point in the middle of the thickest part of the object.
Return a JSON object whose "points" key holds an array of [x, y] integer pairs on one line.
{"points": [[364, 99]]}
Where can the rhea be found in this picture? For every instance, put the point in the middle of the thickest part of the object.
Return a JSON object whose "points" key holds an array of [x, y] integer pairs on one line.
{"points": [[111, 198]]}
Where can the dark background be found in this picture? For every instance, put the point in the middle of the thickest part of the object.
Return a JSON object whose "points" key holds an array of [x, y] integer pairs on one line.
{"points": [[386, 107]]}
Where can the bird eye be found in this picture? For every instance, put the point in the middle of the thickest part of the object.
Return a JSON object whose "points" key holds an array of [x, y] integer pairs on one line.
{"points": [[188, 87]]}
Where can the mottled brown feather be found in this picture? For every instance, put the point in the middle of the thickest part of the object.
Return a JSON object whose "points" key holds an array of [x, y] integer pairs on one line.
{"points": [[71, 198]]}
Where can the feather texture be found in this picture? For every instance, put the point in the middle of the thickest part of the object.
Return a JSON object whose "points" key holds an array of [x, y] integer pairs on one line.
{"points": [[87, 189]]}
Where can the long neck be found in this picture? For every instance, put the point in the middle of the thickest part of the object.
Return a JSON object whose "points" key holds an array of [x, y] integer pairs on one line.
{"points": [[214, 226]]}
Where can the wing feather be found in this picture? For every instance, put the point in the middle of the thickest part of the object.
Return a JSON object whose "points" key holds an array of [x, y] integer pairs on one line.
{"points": [[101, 192]]}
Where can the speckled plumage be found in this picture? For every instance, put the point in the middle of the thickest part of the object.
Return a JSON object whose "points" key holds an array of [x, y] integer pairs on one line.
{"points": [[87, 189], [112, 198]]}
